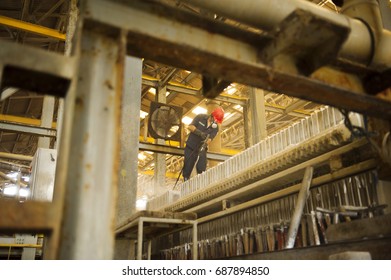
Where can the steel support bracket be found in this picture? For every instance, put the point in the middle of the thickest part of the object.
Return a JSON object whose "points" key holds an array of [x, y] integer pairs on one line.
{"points": [[375, 83], [35, 69], [212, 87], [305, 40]]}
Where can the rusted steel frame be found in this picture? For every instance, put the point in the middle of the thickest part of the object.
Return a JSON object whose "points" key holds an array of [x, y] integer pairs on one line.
{"points": [[92, 169], [35, 69], [163, 39], [29, 217]]}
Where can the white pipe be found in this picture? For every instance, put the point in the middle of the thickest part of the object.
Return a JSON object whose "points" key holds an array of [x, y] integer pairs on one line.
{"points": [[16, 156], [267, 14]]}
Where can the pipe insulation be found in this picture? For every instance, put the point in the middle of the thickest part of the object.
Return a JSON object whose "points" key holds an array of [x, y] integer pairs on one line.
{"points": [[267, 14]]}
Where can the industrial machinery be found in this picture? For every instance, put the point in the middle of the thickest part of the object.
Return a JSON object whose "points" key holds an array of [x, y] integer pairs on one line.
{"points": [[314, 190], [246, 204]]}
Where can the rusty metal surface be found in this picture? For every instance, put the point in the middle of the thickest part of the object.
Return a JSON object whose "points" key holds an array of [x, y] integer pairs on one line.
{"points": [[309, 40], [92, 169], [155, 223], [30, 216], [165, 40], [360, 229], [36, 70], [380, 249]]}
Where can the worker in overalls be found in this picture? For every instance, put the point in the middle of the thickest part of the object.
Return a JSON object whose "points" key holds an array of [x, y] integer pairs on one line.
{"points": [[202, 131]]}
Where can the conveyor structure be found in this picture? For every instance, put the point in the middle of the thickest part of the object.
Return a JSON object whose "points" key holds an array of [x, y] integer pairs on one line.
{"points": [[245, 204]]}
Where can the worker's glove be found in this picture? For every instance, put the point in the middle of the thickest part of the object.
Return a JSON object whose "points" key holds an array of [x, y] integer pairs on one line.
{"points": [[201, 134]]}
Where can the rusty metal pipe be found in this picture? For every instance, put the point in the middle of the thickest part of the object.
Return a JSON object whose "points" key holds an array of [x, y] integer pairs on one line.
{"points": [[267, 14]]}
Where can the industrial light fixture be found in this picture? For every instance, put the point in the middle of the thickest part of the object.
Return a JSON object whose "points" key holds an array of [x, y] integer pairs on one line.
{"points": [[11, 190], [141, 156], [143, 114], [199, 110], [187, 120], [141, 203], [239, 107], [231, 89]]}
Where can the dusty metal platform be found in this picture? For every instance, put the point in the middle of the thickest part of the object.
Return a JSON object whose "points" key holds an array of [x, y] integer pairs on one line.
{"points": [[151, 224]]}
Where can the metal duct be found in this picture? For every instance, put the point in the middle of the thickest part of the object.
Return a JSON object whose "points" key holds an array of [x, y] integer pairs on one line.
{"points": [[267, 14]]}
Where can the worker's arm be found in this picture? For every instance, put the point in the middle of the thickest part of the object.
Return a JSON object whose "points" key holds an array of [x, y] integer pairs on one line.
{"points": [[191, 128], [196, 131]]}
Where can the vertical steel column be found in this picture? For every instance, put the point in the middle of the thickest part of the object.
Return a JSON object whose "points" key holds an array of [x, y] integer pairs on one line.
{"points": [[127, 187], [160, 159], [195, 240], [246, 125], [46, 120], [215, 145], [258, 115], [140, 235], [68, 48], [131, 104], [60, 116], [92, 173]]}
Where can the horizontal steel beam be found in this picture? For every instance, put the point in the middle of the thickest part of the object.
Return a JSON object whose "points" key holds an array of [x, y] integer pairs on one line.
{"points": [[40, 131], [162, 149], [224, 98], [35, 69], [32, 28], [173, 36], [23, 120], [193, 91], [30, 216]]}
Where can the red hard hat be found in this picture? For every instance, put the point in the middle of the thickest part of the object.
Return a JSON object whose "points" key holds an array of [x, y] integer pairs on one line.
{"points": [[218, 114]]}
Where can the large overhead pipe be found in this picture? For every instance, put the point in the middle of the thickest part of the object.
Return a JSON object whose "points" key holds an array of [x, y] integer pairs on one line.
{"points": [[16, 156], [267, 14]]}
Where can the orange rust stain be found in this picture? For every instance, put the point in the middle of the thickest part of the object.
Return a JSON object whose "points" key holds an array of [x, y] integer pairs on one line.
{"points": [[109, 84], [88, 167], [86, 138]]}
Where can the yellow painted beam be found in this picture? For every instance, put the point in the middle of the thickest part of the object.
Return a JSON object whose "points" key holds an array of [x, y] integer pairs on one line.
{"points": [[23, 120], [304, 112], [151, 173], [20, 245], [33, 28], [151, 140]]}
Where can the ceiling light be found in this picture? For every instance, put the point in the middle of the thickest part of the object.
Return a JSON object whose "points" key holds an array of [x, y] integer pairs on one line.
{"points": [[26, 178], [152, 90], [141, 203], [187, 120], [143, 114], [141, 156], [199, 110], [11, 190], [227, 116], [238, 107], [230, 90], [12, 175]]}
